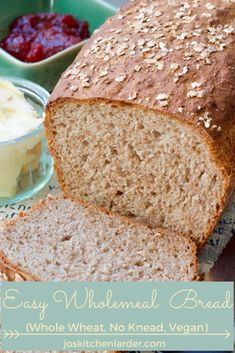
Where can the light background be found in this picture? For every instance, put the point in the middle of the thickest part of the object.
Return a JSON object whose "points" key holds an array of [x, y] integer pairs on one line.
{"points": [[117, 2]]}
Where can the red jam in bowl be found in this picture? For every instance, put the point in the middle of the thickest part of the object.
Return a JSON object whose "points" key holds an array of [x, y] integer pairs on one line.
{"points": [[35, 37]]}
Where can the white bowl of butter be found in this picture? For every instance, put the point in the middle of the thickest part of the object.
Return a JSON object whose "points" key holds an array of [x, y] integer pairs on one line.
{"points": [[25, 165]]}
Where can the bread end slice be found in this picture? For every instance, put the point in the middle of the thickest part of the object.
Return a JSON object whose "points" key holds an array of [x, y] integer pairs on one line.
{"points": [[60, 239]]}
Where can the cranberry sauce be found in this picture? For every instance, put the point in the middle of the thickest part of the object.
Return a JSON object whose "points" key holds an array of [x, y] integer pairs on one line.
{"points": [[36, 37]]}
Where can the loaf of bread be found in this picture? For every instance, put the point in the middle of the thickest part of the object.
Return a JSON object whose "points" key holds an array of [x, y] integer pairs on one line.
{"points": [[142, 123], [60, 239]]}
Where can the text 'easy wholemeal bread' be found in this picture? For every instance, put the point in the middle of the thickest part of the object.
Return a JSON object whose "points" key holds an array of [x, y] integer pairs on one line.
{"points": [[143, 122]]}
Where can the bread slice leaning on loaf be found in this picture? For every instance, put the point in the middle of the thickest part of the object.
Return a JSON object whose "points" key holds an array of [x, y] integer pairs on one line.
{"points": [[59, 239], [143, 122]]}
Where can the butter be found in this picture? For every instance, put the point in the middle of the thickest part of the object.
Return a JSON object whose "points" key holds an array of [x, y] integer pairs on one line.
{"points": [[17, 116], [17, 158]]}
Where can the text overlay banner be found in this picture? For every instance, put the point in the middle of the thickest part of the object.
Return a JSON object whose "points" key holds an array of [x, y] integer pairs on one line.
{"points": [[124, 316]]}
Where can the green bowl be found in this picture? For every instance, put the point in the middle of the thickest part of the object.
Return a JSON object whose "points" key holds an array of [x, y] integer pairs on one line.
{"points": [[47, 72]]}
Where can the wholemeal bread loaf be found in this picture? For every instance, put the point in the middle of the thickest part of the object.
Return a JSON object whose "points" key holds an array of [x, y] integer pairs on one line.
{"points": [[64, 240], [142, 123]]}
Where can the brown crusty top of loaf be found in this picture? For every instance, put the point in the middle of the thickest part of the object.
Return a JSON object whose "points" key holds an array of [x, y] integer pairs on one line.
{"points": [[162, 55]]}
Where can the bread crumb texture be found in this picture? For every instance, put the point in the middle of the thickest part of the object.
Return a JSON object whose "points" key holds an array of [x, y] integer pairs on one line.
{"points": [[63, 240]]}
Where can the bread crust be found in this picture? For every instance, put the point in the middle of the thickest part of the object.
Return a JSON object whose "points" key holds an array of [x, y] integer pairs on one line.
{"points": [[193, 82], [8, 275], [6, 265], [218, 155], [217, 78]]}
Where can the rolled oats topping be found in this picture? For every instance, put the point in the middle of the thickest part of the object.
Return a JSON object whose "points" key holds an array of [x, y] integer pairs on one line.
{"points": [[163, 53]]}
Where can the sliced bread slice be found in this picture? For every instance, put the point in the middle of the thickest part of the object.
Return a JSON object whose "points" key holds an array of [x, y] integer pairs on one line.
{"points": [[10, 276], [60, 239]]}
